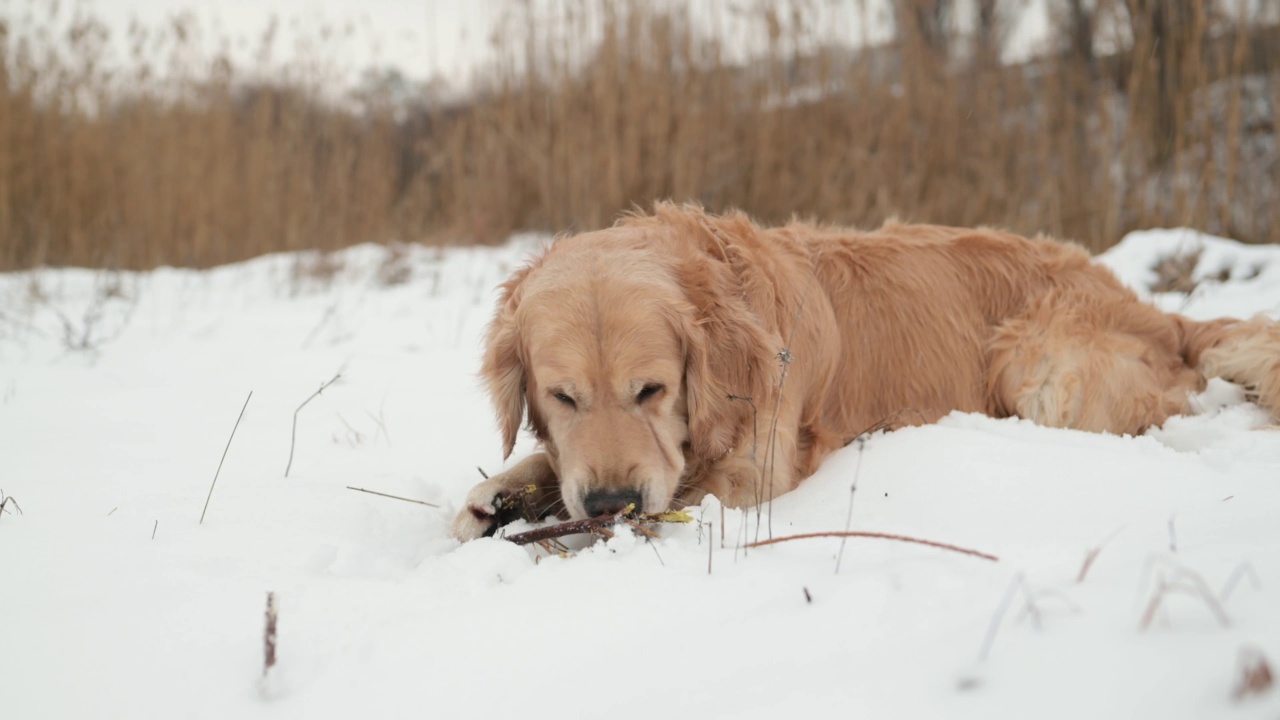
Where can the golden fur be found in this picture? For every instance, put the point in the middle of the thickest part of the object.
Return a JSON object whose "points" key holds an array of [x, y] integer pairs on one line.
{"points": [[681, 353]]}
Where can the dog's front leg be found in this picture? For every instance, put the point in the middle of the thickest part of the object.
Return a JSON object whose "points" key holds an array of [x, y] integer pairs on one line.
{"points": [[529, 490]]}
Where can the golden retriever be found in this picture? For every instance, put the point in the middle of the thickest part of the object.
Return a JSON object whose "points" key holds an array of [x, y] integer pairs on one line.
{"points": [[681, 353]]}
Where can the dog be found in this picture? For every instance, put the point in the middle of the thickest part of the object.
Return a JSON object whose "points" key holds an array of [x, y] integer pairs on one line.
{"points": [[680, 353]]}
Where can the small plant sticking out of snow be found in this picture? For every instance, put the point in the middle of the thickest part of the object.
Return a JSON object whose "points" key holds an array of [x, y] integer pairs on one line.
{"points": [[315, 269], [396, 267], [1176, 273], [1255, 675], [6, 501], [269, 645]]}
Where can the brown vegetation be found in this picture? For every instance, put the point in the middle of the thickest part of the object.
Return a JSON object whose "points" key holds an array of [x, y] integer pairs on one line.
{"points": [[1140, 113]]}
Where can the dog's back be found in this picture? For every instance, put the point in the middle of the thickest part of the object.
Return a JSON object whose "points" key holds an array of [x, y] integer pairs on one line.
{"points": [[935, 319]]}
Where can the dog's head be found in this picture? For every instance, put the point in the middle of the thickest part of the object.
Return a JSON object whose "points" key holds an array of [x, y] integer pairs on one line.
{"points": [[631, 352]]}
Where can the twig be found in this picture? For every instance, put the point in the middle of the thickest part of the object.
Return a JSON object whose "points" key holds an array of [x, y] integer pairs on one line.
{"points": [[153, 529], [853, 489], [1187, 581], [6, 500], [1093, 555], [113, 511], [882, 536], [785, 358], [483, 474], [293, 439], [1019, 582], [711, 545], [598, 525], [1089, 557], [755, 441], [1242, 571], [573, 527], [393, 497], [224, 457], [269, 636]]}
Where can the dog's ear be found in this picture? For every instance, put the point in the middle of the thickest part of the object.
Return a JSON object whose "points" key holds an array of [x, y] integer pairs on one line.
{"points": [[503, 367], [730, 360]]}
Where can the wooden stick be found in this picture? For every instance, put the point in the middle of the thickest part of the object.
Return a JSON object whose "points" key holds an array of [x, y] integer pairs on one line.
{"points": [[597, 525], [882, 536], [393, 497], [573, 527]]}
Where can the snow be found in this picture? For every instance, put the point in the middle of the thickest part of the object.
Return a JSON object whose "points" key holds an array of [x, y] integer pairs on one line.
{"points": [[113, 436]]}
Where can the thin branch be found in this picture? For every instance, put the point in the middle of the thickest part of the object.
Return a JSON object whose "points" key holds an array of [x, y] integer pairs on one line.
{"points": [[154, 528], [224, 458], [393, 497], [882, 536]]}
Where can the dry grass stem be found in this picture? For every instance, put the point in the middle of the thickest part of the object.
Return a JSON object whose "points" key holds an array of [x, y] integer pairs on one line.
{"points": [[1176, 578], [224, 458], [1242, 571], [393, 497], [853, 489], [1018, 585], [293, 437], [1092, 555], [139, 162], [6, 501]]}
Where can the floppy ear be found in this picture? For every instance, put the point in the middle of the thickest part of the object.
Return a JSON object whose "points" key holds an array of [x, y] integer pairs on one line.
{"points": [[503, 366], [730, 361]]}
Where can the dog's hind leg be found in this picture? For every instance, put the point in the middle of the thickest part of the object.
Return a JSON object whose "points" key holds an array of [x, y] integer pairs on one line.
{"points": [[1243, 352], [1079, 361]]}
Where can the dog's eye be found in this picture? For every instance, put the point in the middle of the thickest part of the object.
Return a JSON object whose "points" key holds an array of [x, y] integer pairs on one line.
{"points": [[648, 391], [565, 399]]}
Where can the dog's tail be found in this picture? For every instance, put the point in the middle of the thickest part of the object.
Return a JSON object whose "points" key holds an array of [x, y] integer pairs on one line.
{"points": [[1245, 352]]}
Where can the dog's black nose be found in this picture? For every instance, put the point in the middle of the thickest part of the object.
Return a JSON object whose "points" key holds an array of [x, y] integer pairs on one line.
{"points": [[608, 502]]}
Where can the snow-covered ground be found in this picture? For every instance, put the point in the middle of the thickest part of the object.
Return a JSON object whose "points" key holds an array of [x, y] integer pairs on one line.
{"points": [[118, 393]]}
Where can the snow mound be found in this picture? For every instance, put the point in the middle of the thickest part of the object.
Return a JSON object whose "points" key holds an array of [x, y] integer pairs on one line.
{"points": [[1133, 573]]}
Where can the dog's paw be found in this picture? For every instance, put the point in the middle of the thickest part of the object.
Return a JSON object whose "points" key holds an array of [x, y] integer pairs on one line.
{"points": [[479, 516], [489, 505]]}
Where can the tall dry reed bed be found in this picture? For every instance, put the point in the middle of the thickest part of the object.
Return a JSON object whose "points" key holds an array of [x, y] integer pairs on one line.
{"points": [[1136, 113]]}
